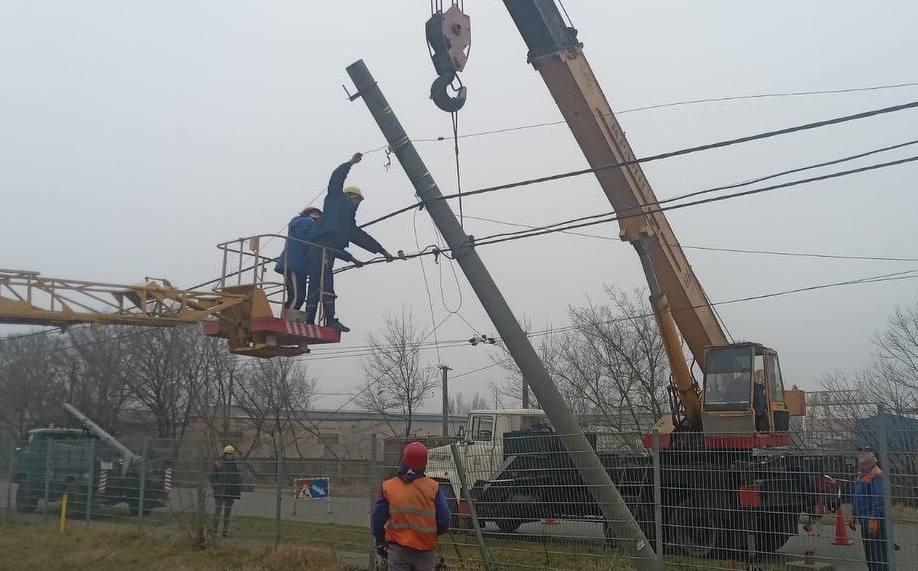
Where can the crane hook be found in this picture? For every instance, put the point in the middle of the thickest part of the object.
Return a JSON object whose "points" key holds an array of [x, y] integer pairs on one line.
{"points": [[449, 38]]}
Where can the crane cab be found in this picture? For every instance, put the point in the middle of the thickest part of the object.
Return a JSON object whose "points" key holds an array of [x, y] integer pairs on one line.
{"points": [[744, 403]]}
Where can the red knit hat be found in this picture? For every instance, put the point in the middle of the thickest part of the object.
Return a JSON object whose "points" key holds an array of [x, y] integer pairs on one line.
{"points": [[309, 210], [415, 456]]}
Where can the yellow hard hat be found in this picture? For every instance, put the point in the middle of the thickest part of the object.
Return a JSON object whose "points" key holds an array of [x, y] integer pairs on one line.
{"points": [[229, 449], [353, 190]]}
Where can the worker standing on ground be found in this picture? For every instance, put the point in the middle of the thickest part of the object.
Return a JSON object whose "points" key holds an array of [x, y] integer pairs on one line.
{"points": [[336, 230], [227, 485], [870, 510], [409, 515], [294, 260]]}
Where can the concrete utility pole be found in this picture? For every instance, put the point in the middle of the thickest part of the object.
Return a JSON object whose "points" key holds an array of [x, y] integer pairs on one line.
{"points": [[594, 476], [445, 370]]}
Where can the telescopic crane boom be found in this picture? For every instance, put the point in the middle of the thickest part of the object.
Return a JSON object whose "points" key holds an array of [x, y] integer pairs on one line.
{"points": [[733, 384], [239, 309]]}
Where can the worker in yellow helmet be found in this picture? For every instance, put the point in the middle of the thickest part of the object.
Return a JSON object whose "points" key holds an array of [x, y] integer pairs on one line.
{"points": [[227, 485], [336, 230]]}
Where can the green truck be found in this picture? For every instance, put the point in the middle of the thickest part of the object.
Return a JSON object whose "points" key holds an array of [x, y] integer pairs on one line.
{"points": [[91, 467]]}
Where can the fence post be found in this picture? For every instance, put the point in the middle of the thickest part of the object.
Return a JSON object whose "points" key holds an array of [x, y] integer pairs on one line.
{"points": [[887, 489], [91, 481], [143, 481], [44, 509], [657, 496], [9, 480], [460, 468], [279, 477], [371, 473]]}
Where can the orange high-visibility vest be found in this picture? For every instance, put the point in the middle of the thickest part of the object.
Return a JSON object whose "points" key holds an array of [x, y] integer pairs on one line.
{"points": [[412, 513]]}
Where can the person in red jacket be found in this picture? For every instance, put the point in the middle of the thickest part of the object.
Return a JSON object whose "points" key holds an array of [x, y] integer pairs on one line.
{"points": [[410, 513]]}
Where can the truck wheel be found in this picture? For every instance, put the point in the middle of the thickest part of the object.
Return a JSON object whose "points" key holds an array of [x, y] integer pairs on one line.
{"points": [[26, 499], [133, 506], [779, 530], [692, 530]]}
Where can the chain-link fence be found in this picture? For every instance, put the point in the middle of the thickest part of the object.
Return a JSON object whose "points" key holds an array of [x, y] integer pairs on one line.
{"points": [[701, 500]]}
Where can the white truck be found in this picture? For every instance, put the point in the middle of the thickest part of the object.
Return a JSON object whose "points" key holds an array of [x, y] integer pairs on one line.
{"points": [[481, 447]]}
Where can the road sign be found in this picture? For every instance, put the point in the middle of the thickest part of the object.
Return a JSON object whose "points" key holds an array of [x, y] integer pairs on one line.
{"points": [[311, 488]]}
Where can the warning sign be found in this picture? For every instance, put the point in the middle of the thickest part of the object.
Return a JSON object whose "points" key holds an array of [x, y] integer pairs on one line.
{"points": [[311, 489]]}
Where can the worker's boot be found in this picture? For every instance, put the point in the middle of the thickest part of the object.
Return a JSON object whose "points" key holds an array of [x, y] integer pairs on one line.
{"points": [[335, 324]]}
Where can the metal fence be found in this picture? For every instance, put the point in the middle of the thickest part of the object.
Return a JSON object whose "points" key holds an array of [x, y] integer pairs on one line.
{"points": [[702, 501]]}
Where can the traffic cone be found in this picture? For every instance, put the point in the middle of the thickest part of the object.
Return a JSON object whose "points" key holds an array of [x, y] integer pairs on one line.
{"points": [[550, 521], [841, 530]]}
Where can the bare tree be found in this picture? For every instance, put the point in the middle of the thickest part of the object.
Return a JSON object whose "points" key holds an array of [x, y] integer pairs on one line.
{"points": [[101, 360], [458, 405], [891, 378], [616, 363], [33, 381], [273, 394], [396, 379], [610, 366]]}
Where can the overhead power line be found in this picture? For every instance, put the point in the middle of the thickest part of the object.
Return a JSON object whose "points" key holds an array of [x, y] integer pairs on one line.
{"points": [[660, 156], [576, 223], [711, 248], [683, 103]]}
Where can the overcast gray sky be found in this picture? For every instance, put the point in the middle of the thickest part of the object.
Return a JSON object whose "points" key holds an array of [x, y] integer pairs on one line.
{"points": [[137, 135]]}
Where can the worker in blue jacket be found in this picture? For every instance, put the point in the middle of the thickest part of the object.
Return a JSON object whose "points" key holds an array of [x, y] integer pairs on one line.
{"points": [[294, 260], [336, 230], [870, 510]]}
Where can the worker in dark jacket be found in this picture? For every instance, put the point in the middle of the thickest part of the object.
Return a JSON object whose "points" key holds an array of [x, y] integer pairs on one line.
{"points": [[294, 260], [336, 230], [409, 515], [227, 485], [870, 510]]}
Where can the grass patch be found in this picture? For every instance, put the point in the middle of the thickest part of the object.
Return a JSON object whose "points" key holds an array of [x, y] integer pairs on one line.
{"points": [[29, 547]]}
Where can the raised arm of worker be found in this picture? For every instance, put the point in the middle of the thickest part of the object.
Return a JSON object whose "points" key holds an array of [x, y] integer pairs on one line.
{"points": [[339, 175]]}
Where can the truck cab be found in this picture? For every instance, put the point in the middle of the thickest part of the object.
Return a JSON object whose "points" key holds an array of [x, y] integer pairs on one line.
{"points": [[31, 457], [481, 447]]}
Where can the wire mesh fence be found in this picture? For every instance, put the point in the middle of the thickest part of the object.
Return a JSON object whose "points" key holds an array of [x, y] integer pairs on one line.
{"points": [[701, 500]]}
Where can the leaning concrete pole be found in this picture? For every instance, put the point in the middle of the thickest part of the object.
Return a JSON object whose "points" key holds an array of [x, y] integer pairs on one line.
{"points": [[594, 476]]}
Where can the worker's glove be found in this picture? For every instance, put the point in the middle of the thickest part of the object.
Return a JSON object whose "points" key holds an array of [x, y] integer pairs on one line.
{"points": [[358, 263], [873, 527], [382, 549], [389, 257], [356, 158]]}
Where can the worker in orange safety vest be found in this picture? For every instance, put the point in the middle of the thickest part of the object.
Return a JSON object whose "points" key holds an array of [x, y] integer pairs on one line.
{"points": [[409, 514]]}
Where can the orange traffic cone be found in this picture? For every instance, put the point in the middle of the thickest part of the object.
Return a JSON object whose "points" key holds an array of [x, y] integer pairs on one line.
{"points": [[841, 530]]}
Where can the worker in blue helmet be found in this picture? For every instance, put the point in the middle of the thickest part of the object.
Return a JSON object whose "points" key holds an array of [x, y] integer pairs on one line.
{"points": [[294, 260], [336, 230]]}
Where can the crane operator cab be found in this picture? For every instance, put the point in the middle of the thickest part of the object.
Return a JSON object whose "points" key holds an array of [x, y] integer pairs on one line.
{"points": [[744, 402]]}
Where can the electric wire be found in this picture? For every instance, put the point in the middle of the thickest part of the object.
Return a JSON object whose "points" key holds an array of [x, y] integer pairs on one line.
{"points": [[661, 156], [683, 103], [575, 223], [714, 249]]}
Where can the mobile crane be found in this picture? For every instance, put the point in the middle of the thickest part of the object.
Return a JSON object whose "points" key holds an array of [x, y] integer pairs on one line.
{"points": [[240, 312], [724, 408], [726, 468]]}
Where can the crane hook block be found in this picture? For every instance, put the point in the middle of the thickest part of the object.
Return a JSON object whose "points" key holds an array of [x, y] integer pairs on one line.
{"points": [[439, 92], [449, 37]]}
